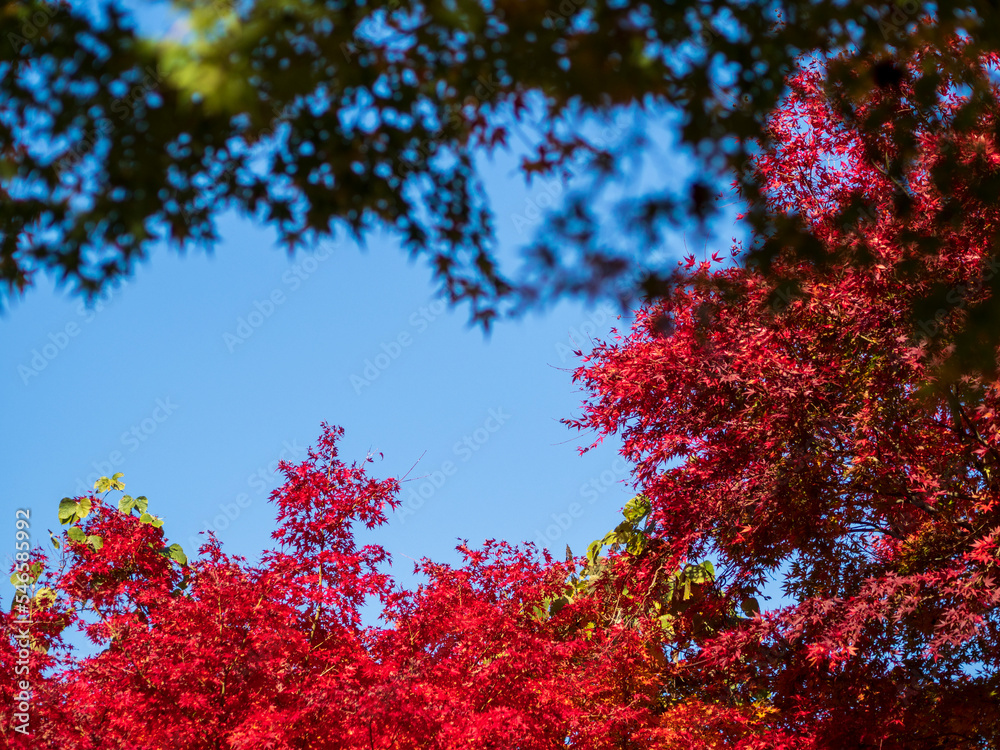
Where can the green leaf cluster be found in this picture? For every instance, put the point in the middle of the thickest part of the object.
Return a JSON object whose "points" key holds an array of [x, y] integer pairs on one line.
{"points": [[106, 484], [176, 553], [72, 511], [674, 593], [28, 577], [630, 533], [128, 503], [77, 534]]}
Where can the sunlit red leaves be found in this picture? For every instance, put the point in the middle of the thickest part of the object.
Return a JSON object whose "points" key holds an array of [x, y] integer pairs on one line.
{"points": [[803, 434], [222, 652], [801, 431]]}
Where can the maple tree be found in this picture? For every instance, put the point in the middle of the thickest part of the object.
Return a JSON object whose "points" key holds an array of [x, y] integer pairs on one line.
{"points": [[810, 435], [806, 433], [311, 117], [508, 650]]}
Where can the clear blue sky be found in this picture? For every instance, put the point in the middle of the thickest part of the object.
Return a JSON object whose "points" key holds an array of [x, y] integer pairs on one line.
{"points": [[150, 384], [153, 383]]}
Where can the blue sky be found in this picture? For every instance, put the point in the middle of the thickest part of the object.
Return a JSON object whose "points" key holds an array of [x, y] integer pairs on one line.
{"points": [[200, 373], [150, 385], [196, 376]]}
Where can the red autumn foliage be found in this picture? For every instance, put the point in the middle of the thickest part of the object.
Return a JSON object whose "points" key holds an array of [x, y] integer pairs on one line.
{"points": [[219, 652], [810, 434], [816, 437]]}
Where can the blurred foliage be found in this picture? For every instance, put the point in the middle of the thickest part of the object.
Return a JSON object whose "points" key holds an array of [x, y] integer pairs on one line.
{"points": [[311, 117]]}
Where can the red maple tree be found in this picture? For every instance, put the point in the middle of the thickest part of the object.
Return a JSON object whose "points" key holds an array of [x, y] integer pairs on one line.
{"points": [[807, 433], [221, 653], [812, 434]]}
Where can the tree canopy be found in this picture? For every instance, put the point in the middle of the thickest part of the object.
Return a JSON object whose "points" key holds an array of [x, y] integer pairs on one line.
{"points": [[218, 652], [310, 116], [806, 434], [817, 439]]}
